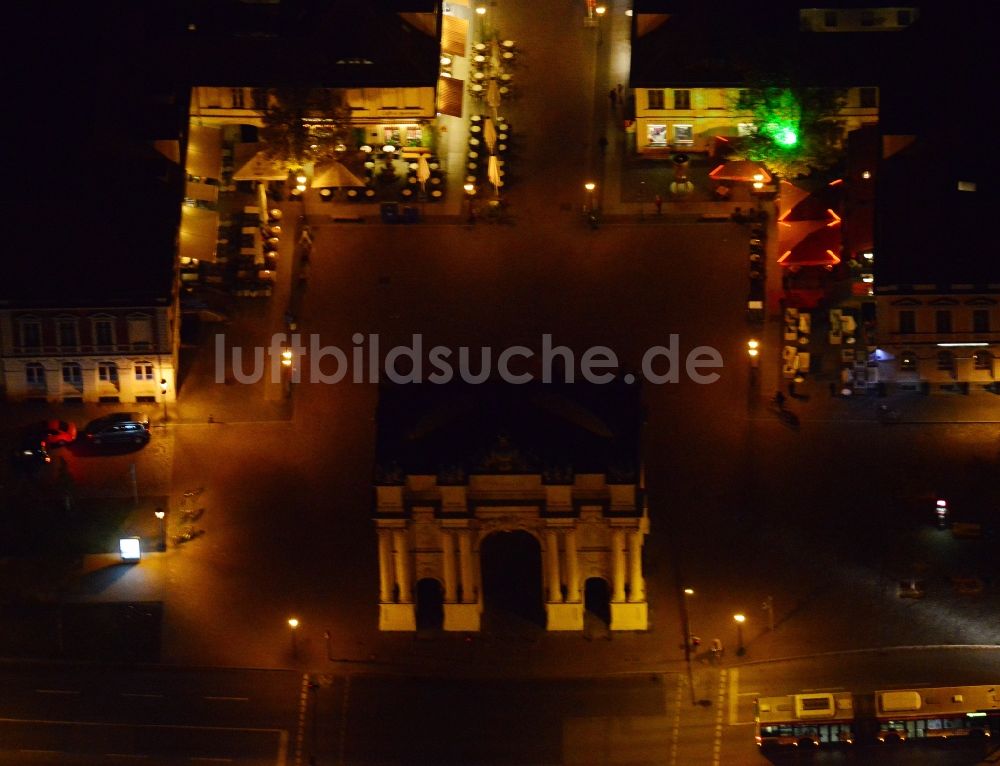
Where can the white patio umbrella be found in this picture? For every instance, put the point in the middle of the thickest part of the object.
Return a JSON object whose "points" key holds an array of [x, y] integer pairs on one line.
{"points": [[253, 164], [423, 171], [489, 134], [493, 95], [334, 173], [493, 173]]}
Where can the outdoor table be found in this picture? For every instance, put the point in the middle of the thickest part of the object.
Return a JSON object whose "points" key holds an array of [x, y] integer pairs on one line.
{"points": [[508, 55], [407, 192], [504, 90], [476, 88], [369, 164], [475, 129], [433, 165], [273, 241], [352, 193], [411, 180], [479, 76], [473, 155], [472, 166], [502, 136], [507, 43], [369, 193], [476, 118], [473, 142], [804, 322], [435, 180], [505, 77], [276, 214], [501, 147], [480, 59], [436, 193], [470, 179], [480, 47], [412, 166]]}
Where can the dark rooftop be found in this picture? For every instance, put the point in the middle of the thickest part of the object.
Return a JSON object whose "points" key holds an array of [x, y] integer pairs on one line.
{"points": [[456, 430]]}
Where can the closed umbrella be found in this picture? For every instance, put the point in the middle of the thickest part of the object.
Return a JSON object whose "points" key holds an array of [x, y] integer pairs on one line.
{"points": [[423, 171], [493, 95], [495, 56], [490, 134], [493, 173]]}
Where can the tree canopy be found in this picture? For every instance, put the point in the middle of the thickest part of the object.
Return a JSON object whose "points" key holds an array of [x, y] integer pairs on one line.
{"points": [[304, 125], [797, 129]]}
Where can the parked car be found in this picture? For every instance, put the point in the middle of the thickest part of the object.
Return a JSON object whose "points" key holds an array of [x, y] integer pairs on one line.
{"points": [[53, 432], [30, 453], [118, 428]]}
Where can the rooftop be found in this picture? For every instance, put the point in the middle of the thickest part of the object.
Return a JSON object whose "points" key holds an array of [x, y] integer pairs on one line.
{"points": [[556, 430]]}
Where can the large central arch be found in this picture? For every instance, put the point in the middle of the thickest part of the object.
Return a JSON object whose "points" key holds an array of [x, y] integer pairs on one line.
{"points": [[511, 566]]}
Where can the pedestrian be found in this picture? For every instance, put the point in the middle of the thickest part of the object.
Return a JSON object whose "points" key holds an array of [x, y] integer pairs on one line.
{"points": [[658, 202], [791, 388], [621, 93], [613, 98], [602, 143], [779, 399]]}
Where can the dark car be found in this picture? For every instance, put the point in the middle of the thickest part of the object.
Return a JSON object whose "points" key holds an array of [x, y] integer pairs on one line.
{"points": [[30, 454], [118, 428]]}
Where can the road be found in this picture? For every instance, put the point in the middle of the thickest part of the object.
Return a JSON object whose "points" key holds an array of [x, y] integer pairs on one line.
{"points": [[66, 714]]}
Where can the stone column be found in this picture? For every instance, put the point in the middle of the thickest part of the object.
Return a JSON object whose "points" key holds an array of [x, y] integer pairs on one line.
{"points": [[448, 566], [385, 578], [572, 567], [552, 566], [636, 585], [618, 565], [402, 566], [465, 565]]}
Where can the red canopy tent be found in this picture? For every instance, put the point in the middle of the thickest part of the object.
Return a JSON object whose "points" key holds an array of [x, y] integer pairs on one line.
{"points": [[740, 170], [819, 248]]}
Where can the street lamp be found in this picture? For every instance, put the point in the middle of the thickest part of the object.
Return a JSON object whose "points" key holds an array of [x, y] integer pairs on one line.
{"points": [[163, 395], [600, 11], [753, 351], [590, 186], [740, 619], [470, 191], [686, 619], [293, 625], [162, 516], [481, 11]]}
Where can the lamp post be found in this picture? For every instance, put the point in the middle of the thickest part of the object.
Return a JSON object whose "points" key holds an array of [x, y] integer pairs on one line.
{"points": [[768, 606], [590, 186], [642, 196], [163, 395], [293, 625], [740, 619], [162, 516], [686, 619], [753, 351], [600, 10], [470, 191], [481, 11]]}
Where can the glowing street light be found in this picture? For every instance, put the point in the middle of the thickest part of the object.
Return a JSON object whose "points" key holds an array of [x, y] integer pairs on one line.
{"points": [[470, 192], [753, 351], [590, 186], [162, 516], [601, 10], [286, 360]]}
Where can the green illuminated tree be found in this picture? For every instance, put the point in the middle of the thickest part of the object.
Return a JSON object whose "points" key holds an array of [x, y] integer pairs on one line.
{"points": [[798, 129], [304, 125]]}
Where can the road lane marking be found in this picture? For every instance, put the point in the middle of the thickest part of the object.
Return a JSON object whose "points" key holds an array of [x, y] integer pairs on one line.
{"points": [[720, 699], [734, 686], [228, 699], [57, 691], [303, 704], [143, 695], [676, 732]]}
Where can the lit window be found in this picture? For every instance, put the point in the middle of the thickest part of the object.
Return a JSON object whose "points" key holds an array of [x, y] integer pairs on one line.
{"points": [[656, 134], [682, 99], [108, 372], [654, 99], [983, 360], [745, 128], [143, 372], [34, 374], [72, 374], [908, 361], [969, 186], [683, 134]]}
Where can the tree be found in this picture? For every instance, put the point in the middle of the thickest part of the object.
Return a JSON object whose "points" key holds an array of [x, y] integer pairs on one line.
{"points": [[797, 129], [304, 125]]}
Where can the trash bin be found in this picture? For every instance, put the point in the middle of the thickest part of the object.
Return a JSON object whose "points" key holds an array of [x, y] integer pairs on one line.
{"points": [[390, 212], [411, 214]]}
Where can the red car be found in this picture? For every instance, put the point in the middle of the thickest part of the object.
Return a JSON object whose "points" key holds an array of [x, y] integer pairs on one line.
{"points": [[54, 433]]}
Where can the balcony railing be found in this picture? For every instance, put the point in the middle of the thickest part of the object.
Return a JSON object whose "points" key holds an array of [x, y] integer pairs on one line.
{"points": [[119, 348]]}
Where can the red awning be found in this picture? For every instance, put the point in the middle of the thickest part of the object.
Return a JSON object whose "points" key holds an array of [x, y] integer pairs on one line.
{"points": [[820, 248], [740, 170]]}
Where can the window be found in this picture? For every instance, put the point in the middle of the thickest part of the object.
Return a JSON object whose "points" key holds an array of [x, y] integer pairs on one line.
{"points": [[259, 96], [983, 360], [980, 320], [140, 332], [945, 361], [107, 372], [72, 374], [868, 98], [31, 333], [908, 361], [34, 374], [830, 18], [967, 186], [654, 99], [683, 134], [68, 336], [743, 100], [656, 134], [682, 99], [942, 321], [236, 94], [104, 332], [745, 128], [907, 321], [143, 371]]}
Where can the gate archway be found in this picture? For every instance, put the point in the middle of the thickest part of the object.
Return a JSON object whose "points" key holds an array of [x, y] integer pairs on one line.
{"points": [[430, 604], [511, 566], [597, 599]]}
